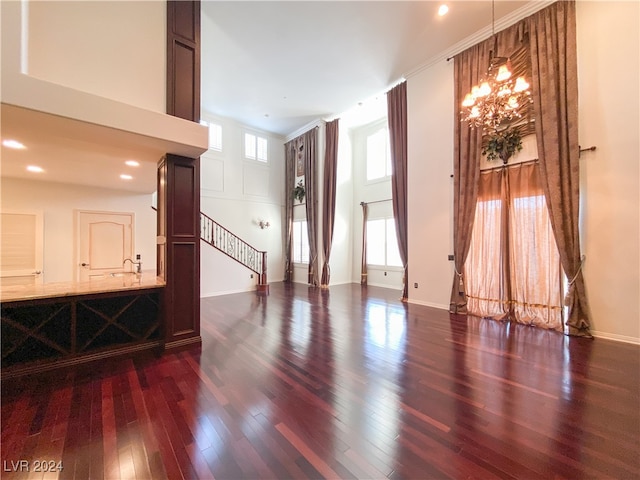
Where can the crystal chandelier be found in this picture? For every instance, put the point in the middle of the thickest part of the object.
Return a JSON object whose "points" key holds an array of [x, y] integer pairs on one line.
{"points": [[499, 95]]}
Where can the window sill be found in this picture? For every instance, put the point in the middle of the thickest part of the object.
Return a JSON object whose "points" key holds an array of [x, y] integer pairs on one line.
{"points": [[383, 268]]}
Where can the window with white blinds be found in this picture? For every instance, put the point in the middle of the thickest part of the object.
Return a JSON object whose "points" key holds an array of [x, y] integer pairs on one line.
{"points": [[20, 244], [256, 147]]}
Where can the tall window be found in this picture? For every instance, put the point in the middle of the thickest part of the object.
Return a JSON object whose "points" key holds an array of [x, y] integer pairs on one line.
{"points": [[378, 155], [255, 147], [513, 269], [382, 243], [300, 242]]}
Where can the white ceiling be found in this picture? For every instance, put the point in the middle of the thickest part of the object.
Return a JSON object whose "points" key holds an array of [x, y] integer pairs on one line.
{"points": [[294, 61], [277, 66], [74, 152]]}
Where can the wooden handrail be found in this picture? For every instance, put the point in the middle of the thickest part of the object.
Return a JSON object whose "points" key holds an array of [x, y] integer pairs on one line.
{"points": [[234, 247]]}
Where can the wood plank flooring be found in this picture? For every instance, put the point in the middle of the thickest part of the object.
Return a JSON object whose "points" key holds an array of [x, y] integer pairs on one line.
{"points": [[346, 383]]}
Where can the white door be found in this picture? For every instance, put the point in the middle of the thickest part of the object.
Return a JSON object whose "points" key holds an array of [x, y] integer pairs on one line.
{"points": [[105, 240], [21, 248]]}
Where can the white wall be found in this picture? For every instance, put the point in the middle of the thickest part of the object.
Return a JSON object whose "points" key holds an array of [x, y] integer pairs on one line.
{"points": [[608, 69], [608, 74], [58, 203], [117, 92], [430, 203], [341, 257], [112, 49], [238, 193]]}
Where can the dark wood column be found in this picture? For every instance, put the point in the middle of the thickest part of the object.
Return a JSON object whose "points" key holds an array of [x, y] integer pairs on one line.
{"points": [[179, 183], [179, 256]]}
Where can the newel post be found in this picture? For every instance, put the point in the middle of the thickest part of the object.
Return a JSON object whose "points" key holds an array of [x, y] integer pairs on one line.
{"points": [[263, 286]]}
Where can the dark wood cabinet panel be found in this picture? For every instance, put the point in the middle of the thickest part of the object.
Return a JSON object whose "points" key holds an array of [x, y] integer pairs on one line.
{"points": [[186, 20], [185, 210], [184, 320], [184, 82], [183, 59]]}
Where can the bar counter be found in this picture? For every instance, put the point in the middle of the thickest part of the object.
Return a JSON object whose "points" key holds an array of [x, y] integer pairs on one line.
{"points": [[57, 324], [108, 283]]}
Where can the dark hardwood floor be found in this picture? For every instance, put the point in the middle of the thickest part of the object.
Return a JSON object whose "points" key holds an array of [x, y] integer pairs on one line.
{"points": [[348, 383]]}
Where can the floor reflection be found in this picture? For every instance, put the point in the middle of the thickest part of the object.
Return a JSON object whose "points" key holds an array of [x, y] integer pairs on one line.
{"points": [[345, 383]]}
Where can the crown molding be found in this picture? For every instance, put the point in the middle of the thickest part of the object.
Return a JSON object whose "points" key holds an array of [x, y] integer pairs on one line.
{"points": [[528, 9], [318, 122]]}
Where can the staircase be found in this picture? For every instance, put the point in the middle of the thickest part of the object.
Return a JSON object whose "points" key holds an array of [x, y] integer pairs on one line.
{"points": [[234, 247]]}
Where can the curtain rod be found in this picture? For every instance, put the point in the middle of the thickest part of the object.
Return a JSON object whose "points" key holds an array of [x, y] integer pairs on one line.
{"points": [[500, 167], [588, 149], [377, 201]]}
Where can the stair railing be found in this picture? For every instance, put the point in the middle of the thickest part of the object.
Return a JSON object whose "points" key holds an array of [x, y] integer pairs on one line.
{"points": [[234, 247]]}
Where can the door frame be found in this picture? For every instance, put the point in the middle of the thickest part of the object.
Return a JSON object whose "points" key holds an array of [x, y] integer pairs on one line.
{"points": [[77, 240]]}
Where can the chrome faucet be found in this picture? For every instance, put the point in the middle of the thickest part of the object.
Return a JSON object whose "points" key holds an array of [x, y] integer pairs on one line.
{"points": [[138, 263]]}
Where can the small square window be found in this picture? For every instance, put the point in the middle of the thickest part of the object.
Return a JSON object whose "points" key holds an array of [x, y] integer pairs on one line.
{"points": [[255, 147]]}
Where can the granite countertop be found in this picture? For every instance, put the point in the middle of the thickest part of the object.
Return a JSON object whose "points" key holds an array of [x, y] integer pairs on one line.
{"points": [[104, 284]]}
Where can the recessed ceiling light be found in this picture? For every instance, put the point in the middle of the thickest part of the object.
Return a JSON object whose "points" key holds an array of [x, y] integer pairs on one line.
{"points": [[124, 176], [13, 144], [132, 163], [35, 169], [443, 10]]}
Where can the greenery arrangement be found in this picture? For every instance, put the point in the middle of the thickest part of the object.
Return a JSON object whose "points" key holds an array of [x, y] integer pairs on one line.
{"points": [[502, 145], [299, 192]]}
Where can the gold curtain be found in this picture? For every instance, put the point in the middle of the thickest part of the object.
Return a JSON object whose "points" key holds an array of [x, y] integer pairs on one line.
{"points": [[550, 36], [555, 99], [513, 268]]}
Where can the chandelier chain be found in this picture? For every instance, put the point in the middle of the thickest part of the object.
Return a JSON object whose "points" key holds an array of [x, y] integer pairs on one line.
{"points": [[498, 97]]}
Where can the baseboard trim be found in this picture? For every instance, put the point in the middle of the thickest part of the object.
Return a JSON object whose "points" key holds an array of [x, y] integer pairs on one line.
{"points": [[616, 338], [382, 285], [183, 343], [428, 304], [33, 369], [228, 292]]}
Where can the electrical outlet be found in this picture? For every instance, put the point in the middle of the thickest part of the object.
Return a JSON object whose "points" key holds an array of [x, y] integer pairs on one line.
{"points": [[451, 258], [415, 285], [251, 276], [385, 274]]}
